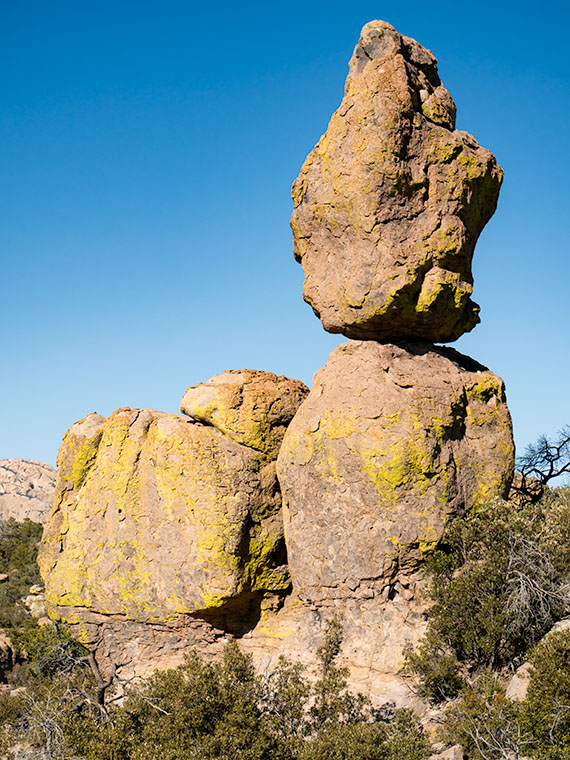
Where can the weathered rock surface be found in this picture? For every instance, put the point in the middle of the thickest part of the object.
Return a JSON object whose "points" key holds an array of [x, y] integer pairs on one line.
{"points": [[449, 753], [518, 685], [167, 530], [26, 489], [157, 517], [390, 203], [391, 441], [375, 634], [251, 407], [166, 535], [35, 602]]}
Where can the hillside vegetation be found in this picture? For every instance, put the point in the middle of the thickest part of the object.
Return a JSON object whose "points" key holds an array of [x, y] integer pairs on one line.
{"points": [[498, 582]]}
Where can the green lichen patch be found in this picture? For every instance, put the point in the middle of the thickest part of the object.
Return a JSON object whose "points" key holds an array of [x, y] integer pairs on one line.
{"points": [[174, 517]]}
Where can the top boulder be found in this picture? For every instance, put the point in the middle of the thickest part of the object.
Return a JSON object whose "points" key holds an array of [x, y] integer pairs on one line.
{"points": [[389, 204]]}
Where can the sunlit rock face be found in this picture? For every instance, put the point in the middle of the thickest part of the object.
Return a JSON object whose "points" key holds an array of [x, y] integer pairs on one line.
{"points": [[251, 407], [168, 531], [391, 201], [160, 516], [26, 489], [157, 516], [391, 441]]}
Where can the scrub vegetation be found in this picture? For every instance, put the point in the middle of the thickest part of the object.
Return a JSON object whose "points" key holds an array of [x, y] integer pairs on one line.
{"points": [[207, 711], [498, 583]]}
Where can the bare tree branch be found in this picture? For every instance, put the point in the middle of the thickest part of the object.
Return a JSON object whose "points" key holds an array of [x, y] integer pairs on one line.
{"points": [[547, 459]]}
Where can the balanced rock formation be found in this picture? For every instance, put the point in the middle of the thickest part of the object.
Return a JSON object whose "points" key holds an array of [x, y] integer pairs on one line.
{"points": [[391, 441], [167, 530], [390, 203], [26, 489], [158, 516]]}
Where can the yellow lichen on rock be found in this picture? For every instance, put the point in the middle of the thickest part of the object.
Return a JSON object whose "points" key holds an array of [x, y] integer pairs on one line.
{"points": [[389, 204], [170, 517], [251, 407], [391, 441]]}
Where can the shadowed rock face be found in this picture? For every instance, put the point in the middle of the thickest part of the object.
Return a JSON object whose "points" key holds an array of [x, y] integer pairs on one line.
{"points": [[26, 489], [390, 203], [391, 440]]}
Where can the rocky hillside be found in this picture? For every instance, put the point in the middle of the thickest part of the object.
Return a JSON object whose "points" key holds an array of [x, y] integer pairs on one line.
{"points": [[26, 489]]}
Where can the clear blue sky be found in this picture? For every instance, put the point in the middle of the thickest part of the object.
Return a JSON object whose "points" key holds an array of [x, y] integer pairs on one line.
{"points": [[148, 151]]}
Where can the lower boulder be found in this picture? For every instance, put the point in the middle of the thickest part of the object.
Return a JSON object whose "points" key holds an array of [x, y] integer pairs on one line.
{"points": [[157, 518], [168, 534], [391, 441]]}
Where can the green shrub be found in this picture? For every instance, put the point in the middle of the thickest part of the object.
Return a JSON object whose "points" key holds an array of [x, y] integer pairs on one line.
{"points": [[284, 697], [332, 701], [222, 711], [485, 723], [12, 721], [438, 669], [491, 727], [346, 741], [18, 558], [545, 713], [46, 650], [19, 550], [406, 738], [499, 581], [554, 527], [202, 710]]}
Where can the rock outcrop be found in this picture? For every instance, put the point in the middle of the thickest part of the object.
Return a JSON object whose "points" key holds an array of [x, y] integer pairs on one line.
{"points": [[167, 530], [26, 489], [391, 441], [517, 688], [35, 602], [390, 203], [6, 655], [158, 516]]}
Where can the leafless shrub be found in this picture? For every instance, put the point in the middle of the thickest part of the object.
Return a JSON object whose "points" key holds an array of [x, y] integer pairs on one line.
{"points": [[537, 596], [547, 459]]}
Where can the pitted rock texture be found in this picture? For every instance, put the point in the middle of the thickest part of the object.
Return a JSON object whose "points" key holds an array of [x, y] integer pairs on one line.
{"points": [[376, 632], [391, 441], [157, 516], [391, 201], [26, 489], [251, 407]]}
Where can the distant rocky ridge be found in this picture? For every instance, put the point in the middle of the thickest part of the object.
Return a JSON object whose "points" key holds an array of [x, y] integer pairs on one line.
{"points": [[26, 489], [265, 508]]}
